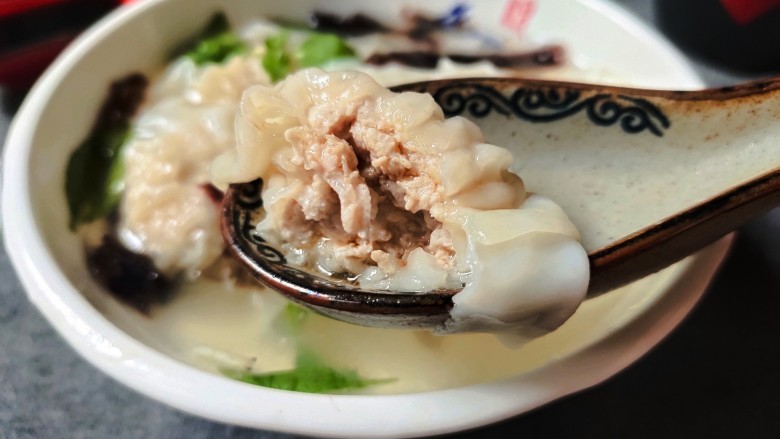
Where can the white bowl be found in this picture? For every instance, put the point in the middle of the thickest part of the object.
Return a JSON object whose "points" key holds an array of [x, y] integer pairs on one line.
{"points": [[605, 335]]}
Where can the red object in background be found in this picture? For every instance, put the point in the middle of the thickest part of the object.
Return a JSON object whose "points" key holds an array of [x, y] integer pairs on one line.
{"points": [[34, 32], [19, 69], [13, 7], [745, 11], [517, 14]]}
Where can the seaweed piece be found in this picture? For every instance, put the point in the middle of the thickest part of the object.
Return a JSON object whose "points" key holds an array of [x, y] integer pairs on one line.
{"points": [[130, 277], [354, 25], [545, 56]]}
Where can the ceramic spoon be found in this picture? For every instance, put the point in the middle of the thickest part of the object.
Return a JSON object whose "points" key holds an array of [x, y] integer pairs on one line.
{"points": [[647, 176]]}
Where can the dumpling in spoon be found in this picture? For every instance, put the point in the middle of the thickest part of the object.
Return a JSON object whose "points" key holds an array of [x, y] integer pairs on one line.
{"points": [[377, 185]]}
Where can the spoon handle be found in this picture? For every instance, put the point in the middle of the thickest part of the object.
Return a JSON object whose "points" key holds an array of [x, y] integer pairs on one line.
{"points": [[670, 240], [739, 178], [736, 179], [648, 176]]}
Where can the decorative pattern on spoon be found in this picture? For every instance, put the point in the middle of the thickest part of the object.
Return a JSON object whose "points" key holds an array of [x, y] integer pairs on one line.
{"points": [[634, 115]]}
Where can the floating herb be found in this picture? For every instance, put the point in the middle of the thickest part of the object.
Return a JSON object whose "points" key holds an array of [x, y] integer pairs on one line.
{"points": [[94, 177], [315, 51], [276, 61], [294, 317], [320, 48], [217, 43], [309, 375]]}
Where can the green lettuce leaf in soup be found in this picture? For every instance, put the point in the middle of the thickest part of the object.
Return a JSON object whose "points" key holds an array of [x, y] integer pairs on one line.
{"points": [[321, 48], [294, 317], [276, 60], [216, 43], [316, 50], [95, 174], [310, 375]]}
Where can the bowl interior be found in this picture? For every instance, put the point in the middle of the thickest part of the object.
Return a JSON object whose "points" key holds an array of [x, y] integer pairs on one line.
{"points": [[606, 46]]}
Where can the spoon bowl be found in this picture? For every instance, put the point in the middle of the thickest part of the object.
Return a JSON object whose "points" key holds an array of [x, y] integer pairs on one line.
{"points": [[648, 176]]}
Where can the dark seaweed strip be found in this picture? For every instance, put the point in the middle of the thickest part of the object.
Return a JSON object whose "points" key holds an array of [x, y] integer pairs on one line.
{"points": [[421, 59], [130, 277], [547, 56], [353, 25]]}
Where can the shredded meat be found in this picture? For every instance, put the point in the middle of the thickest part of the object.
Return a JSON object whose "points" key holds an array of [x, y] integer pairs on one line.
{"points": [[363, 189]]}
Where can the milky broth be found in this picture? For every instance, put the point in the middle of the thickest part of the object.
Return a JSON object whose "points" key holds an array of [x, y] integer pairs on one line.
{"points": [[211, 327]]}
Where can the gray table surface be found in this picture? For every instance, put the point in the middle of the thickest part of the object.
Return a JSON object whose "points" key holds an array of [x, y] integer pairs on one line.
{"points": [[717, 375]]}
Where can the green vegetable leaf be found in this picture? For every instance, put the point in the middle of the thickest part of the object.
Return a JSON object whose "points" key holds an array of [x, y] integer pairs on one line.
{"points": [[309, 375], [276, 60], [320, 48], [315, 51], [95, 174], [294, 317], [217, 43]]}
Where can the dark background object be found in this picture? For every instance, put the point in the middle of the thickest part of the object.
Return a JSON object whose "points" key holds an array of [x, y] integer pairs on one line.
{"points": [[741, 36], [716, 376], [33, 32]]}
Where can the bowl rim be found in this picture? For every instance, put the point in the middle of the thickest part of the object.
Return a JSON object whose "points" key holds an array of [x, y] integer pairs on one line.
{"points": [[210, 396]]}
